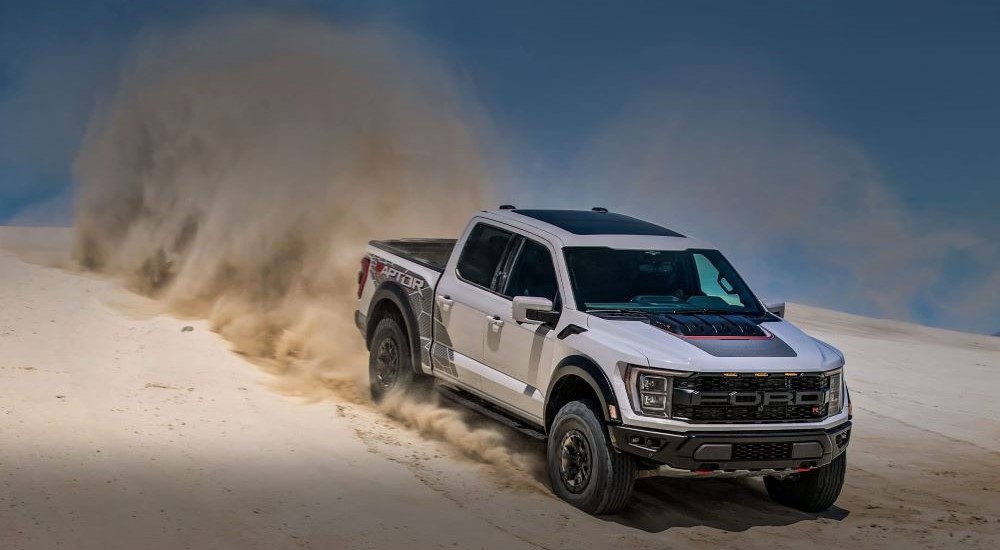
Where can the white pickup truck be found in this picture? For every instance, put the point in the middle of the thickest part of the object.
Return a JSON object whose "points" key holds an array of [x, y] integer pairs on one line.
{"points": [[635, 350]]}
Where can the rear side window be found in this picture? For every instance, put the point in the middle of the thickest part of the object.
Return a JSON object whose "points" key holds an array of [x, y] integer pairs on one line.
{"points": [[482, 254], [534, 273]]}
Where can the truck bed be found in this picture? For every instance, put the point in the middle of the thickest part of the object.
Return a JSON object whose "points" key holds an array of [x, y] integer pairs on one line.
{"points": [[430, 253]]}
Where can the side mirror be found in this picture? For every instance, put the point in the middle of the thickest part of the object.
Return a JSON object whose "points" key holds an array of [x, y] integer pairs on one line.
{"points": [[777, 308], [538, 311]]}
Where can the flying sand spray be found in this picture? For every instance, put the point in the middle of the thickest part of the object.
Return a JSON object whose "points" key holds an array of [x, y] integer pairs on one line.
{"points": [[242, 165]]}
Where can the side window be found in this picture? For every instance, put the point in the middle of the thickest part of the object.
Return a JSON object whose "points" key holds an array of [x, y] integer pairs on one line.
{"points": [[482, 253], [533, 274], [713, 283]]}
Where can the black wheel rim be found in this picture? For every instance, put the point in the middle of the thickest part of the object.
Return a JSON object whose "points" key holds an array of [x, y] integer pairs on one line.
{"points": [[387, 363], [575, 461]]}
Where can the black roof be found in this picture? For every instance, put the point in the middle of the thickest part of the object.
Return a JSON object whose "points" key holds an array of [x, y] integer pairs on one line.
{"points": [[588, 222]]}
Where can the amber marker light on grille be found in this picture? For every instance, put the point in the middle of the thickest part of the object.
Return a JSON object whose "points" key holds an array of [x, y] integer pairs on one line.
{"points": [[791, 374], [760, 374], [730, 374]]}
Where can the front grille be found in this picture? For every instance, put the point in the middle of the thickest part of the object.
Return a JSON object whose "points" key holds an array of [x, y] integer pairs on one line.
{"points": [[748, 398], [761, 452], [749, 382]]}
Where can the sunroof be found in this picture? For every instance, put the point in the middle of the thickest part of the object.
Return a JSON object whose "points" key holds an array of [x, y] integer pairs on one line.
{"points": [[588, 222]]}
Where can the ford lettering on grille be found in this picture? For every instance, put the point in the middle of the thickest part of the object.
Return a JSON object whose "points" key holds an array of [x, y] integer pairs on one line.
{"points": [[746, 398]]}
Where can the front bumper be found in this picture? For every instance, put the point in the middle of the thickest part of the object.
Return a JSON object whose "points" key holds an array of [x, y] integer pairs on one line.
{"points": [[734, 451]]}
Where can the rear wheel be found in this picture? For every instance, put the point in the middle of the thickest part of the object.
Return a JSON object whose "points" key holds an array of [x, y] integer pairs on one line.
{"points": [[390, 367], [812, 491], [583, 467]]}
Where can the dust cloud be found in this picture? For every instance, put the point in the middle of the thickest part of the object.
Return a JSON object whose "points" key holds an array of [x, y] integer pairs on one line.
{"points": [[241, 167]]}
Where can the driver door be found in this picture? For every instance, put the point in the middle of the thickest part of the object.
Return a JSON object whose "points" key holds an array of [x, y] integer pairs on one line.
{"points": [[515, 352]]}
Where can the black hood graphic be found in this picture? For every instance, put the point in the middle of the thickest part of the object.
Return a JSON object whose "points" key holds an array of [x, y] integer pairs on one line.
{"points": [[724, 335]]}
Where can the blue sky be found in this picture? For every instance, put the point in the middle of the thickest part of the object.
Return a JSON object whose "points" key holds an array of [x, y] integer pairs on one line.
{"points": [[910, 89]]}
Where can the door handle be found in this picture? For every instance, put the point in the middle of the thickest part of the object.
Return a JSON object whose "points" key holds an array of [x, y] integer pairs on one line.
{"points": [[445, 302], [496, 321]]}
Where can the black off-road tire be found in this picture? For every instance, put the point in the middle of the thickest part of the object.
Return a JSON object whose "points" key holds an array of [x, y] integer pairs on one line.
{"points": [[606, 487], [813, 491], [390, 364]]}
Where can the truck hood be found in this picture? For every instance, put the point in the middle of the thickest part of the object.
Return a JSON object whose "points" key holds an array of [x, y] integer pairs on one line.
{"points": [[782, 348]]}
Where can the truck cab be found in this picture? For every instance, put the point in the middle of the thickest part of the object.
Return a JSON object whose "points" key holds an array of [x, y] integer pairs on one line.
{"points": [[634, 349]]}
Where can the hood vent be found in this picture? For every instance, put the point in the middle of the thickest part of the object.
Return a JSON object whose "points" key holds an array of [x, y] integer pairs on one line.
{"points": [[709, 326]]}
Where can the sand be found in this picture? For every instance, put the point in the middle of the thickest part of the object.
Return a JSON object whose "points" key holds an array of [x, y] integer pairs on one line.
{"points": [[120, 427]]}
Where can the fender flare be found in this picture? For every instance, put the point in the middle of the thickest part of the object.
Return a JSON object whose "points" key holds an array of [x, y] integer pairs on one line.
{"points": [[390, 291], [587, 369]]}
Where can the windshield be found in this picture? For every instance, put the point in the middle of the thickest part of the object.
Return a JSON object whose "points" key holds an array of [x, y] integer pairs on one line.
{"points": [[657, 281]]}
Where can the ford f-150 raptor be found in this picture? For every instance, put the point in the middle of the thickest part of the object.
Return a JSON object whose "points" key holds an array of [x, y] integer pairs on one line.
{"points": [[635, 350]]}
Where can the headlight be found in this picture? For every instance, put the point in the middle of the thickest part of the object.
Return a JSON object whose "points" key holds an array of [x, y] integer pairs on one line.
{"points": [[836, 395], [650, 390]]}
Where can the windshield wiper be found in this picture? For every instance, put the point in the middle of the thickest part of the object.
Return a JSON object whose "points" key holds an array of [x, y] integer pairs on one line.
{"points": [[594, 311], [708, 312], [627, 311]]}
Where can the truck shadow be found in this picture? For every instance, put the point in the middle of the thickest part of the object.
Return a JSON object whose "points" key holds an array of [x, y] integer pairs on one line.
{"points": [[659, 504]]}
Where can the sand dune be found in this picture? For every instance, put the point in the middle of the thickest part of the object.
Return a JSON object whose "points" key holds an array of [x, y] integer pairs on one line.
{"points": [[123, 428]]}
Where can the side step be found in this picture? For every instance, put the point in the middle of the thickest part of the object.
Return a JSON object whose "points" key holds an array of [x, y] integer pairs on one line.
{"points": [[488, 410]]}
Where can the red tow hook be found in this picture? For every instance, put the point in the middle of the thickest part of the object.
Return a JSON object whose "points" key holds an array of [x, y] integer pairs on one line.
{"points": [[800, 470]]}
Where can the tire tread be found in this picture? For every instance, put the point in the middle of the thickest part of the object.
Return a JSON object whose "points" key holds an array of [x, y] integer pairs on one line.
{"points": [[617, 475]]}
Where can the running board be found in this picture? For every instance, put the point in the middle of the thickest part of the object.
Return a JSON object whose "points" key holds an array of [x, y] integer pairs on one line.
{"points": [[488, 410]]}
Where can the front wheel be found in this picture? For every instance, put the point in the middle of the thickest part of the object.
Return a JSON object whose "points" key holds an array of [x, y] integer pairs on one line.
{"points": [[584, 469], [812, 491]]}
